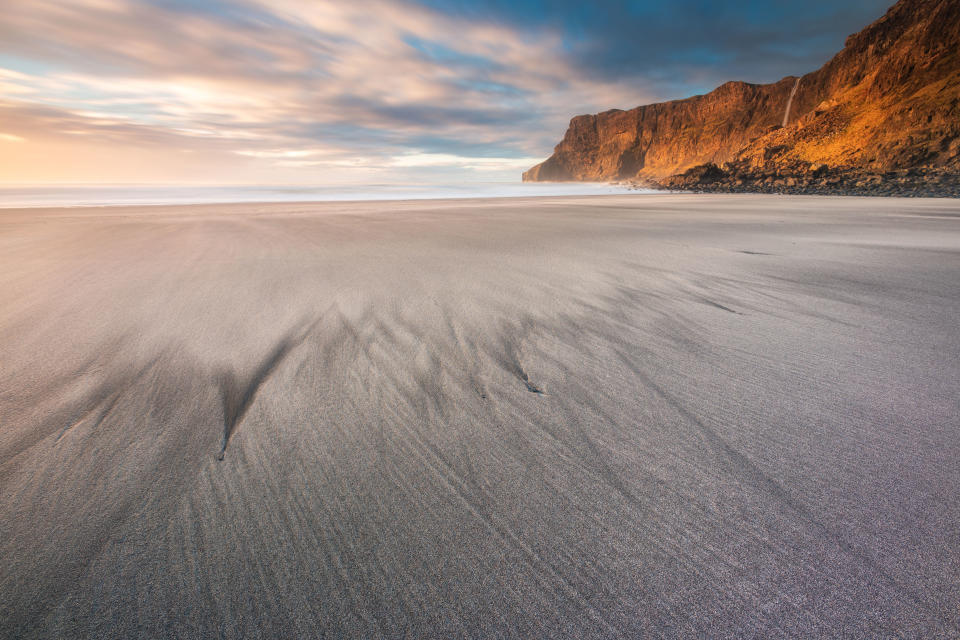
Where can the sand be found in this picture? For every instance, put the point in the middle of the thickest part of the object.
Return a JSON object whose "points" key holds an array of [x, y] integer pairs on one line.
{"points": [[624, 416]]}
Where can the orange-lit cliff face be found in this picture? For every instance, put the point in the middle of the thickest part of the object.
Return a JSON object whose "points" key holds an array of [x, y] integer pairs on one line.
{"points": [[890, 100]]}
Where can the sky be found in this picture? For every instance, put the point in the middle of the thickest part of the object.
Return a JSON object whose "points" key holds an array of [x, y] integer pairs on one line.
{"points": [[363, 91]]}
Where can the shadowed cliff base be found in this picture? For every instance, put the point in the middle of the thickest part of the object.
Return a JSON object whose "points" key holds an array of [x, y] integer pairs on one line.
{"points": [[813, 180], [609, 417], [885, 109]]}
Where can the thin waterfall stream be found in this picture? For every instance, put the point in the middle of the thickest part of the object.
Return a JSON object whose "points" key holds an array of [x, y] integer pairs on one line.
{"points": [[793, 92]]}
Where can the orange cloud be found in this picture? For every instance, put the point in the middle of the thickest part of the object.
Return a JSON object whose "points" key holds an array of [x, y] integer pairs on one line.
{"points": [[281, 90]]}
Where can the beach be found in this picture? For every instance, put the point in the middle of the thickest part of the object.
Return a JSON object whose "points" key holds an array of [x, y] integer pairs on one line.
{"points": [[585, 416]]}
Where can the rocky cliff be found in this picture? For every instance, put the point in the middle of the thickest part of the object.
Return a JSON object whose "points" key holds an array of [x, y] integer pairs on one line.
{"points": [[887, 105]]}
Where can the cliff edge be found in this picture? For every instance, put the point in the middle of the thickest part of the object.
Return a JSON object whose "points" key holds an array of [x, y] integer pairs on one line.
{"points": [[883, 113]]}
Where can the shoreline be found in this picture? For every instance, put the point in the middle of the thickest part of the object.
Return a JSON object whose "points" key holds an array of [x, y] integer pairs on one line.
{"points": [[639, 191], [166, 195]]}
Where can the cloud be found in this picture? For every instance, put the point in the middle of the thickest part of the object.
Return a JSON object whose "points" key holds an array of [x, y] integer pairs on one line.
{"points": [[679, 46], [276, 82], [314, 91], [481, 163]]}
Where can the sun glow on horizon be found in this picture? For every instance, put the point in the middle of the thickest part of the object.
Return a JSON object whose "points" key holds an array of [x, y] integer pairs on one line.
{"points": [[127, 90]]}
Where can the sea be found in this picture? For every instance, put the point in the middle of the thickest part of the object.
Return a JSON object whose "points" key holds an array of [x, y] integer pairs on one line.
{"points": [[118, 195]]}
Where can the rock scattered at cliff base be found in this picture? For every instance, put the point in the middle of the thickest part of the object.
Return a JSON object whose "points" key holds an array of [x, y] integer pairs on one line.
{"points": [[709, 178]]}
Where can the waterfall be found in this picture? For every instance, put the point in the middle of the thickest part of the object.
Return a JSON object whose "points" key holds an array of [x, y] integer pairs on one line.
{"points": [[786, 114]]}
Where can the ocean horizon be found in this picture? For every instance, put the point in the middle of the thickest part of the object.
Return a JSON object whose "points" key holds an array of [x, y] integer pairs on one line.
{"points": [[93, 195]]}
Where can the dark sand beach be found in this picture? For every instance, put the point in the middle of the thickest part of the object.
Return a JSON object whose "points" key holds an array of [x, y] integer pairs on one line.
{"points": [[611, 417]]}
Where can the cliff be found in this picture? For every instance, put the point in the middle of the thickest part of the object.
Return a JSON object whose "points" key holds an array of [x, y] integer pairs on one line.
{"points": [[888, 102]]}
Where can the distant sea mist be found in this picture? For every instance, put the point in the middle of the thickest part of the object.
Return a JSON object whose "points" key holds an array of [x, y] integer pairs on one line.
{"points": [[115, 195]]}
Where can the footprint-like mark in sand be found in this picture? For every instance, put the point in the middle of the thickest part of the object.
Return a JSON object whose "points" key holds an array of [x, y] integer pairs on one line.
{"points": [[718, 305], [509, 358], [532, 388], [238, 395]]}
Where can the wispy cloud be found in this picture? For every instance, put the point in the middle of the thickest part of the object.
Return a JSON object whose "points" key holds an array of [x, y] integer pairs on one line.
{"points": [[290, 90], [370, 85]]}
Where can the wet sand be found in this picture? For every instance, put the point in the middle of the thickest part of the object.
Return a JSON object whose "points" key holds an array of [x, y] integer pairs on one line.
{"points": [[623, 416]]}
